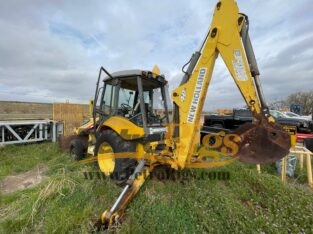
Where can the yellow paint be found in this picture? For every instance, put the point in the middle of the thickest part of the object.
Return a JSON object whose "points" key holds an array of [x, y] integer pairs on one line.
{"points": [[124, 128], [227, 43], [156, 70], [283, 169], [106, 159]]}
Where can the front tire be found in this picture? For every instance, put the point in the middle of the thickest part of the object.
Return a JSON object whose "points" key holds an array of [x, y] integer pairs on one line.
{"points": [[109, 143]]}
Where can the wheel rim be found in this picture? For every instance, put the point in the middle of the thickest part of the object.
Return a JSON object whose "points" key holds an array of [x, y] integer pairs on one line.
{"points": [[106, 158]]}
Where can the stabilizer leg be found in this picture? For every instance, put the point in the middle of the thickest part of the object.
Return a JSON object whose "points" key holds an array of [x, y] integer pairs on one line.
{"points": [[135, 181]]}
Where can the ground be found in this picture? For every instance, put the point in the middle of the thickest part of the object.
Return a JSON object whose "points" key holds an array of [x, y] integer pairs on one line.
{"points": [[24, 180], [65, 201]]}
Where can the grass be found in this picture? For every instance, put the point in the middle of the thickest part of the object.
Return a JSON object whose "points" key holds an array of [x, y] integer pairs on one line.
{"points": [[68, 203]]}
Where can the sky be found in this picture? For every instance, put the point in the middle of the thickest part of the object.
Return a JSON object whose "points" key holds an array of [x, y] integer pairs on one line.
{"points": [[51, 51]]}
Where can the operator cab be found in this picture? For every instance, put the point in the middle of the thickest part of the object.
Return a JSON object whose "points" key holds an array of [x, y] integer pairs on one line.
{"points": [[136, 95]]}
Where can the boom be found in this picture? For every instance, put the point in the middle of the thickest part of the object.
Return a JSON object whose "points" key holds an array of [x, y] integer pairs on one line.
{"points": [[228, 36]]}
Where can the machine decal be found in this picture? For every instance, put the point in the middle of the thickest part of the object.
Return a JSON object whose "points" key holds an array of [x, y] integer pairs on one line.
{"points": [[183, 95], [196, 96], [239, 66]]}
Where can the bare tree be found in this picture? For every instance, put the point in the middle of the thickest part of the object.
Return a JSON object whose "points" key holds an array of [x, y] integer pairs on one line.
{"points": [[279, 105], [305, 99]]}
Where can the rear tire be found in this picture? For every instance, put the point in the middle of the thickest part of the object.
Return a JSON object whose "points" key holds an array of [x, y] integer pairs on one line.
{"points": [[78, 148], [123, 167]]}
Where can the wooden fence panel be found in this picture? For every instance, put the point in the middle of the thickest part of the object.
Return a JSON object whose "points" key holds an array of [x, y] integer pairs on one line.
{"points": [[72, 115], [10, 110]]}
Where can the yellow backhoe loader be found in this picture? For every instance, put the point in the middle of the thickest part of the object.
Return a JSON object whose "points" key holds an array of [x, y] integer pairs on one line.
{"points": [[127, 135]]}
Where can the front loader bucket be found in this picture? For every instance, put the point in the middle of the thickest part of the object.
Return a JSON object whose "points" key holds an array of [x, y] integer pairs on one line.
{"points": [[262, 142]]}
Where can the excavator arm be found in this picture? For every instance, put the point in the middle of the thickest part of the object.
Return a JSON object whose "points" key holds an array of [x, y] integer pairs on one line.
{"points": [[261, 141], [228, 36]]}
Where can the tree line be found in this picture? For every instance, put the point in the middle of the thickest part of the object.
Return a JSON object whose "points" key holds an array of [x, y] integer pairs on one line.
{"points": [[304, 99]]}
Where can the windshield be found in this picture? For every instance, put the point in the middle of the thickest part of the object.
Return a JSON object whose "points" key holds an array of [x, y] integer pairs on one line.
{"points": [[126, 96], [290, 114], [159, 103], [144, 106], [107, 99], [277, 114]]}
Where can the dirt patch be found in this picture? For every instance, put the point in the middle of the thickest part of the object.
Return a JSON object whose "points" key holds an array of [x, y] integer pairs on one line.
{"points": [[23, 180]]}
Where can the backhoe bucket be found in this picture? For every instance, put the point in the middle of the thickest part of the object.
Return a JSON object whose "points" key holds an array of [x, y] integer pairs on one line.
{"points": [[262, 142]]}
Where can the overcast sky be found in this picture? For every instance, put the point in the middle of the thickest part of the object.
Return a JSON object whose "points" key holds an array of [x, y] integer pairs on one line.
{"points": [[52, 50]]}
